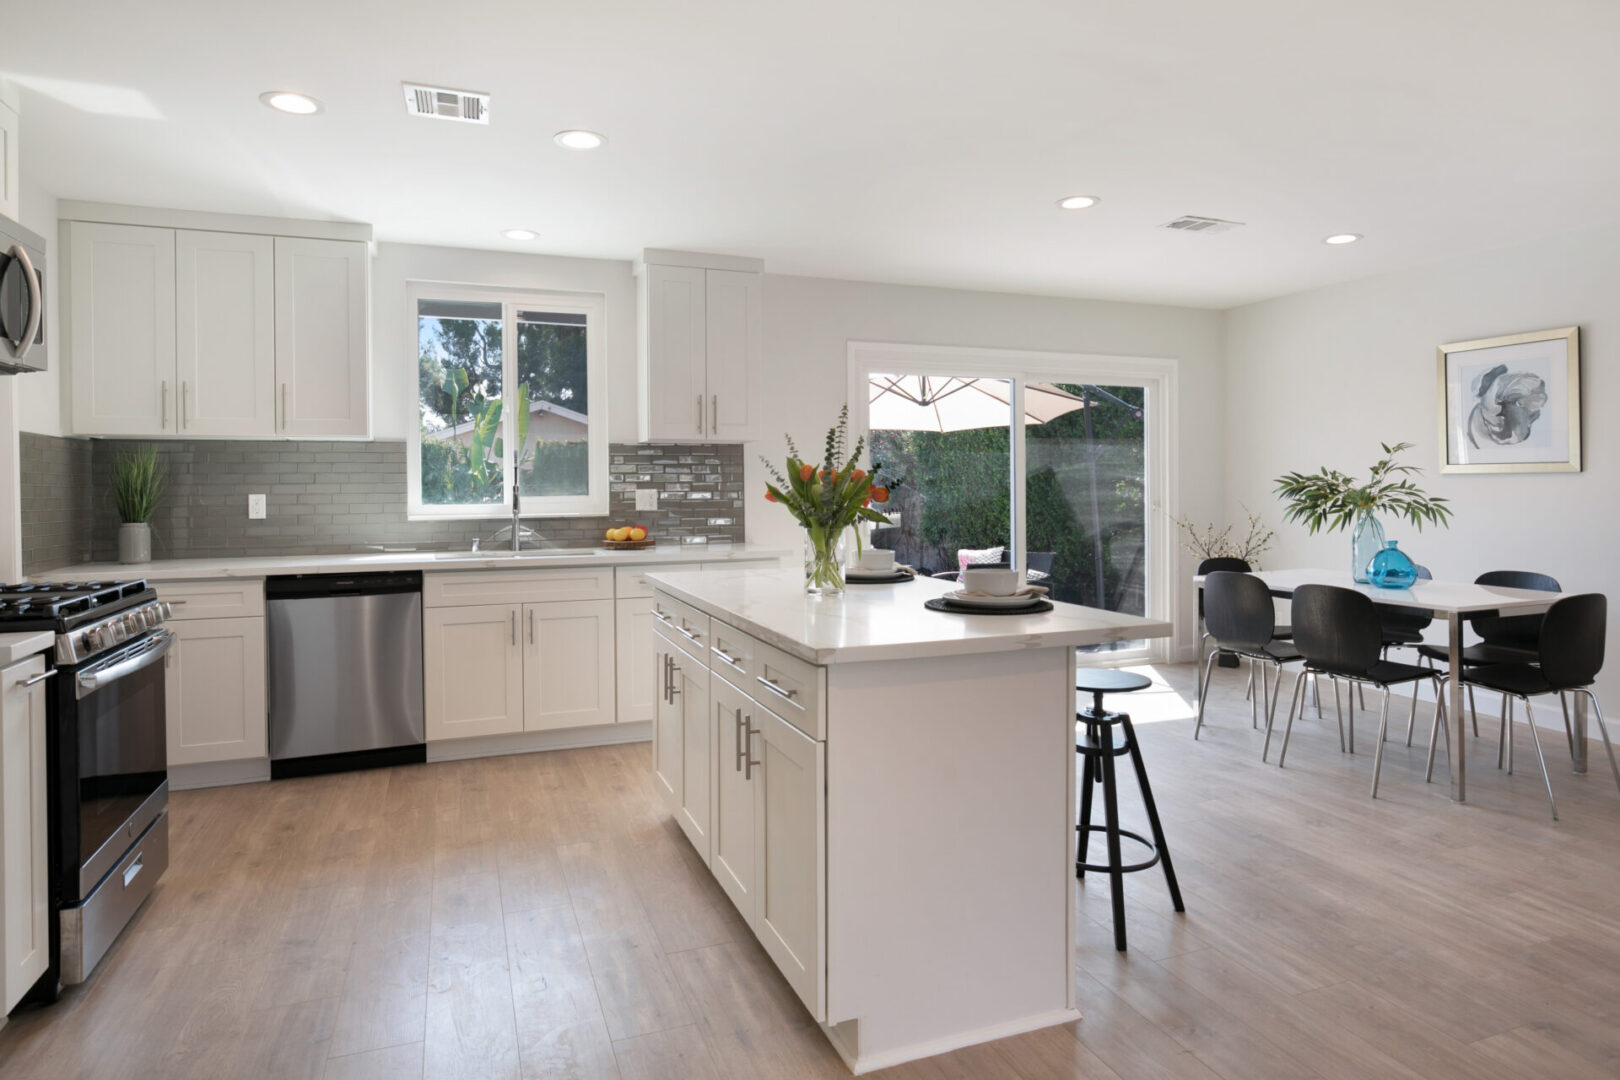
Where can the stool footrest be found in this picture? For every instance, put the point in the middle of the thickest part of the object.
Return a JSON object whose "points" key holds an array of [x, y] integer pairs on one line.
{"points": [[1128, 868]]}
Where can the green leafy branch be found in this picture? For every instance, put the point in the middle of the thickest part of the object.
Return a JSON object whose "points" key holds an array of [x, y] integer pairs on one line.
{"points": [[1329, 499]]}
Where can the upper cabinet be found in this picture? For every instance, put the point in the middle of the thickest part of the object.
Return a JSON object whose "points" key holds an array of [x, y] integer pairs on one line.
{"points": [[702, 342], [217, 332], [9, 173]]}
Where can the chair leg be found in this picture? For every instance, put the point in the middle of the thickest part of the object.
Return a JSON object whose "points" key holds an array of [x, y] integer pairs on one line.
{"points": [[1265, 694], [1378, 750], [1361, 692], [1153, 814], [1503, 741], [1437, 730], [1509, 703], [1338, 712], [1473, 712], [1088, 777], [1116, 876], [1316, 693], [1535, 740], [1248, 687], [1203, 697], [1411, 718], [1603, 729], [1271, 716], [1569, 731], [1288, 729], [1203, 640]]}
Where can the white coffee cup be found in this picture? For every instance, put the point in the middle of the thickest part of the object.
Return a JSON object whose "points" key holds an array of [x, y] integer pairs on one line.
{"points": [[877, 560], [990, 580]]}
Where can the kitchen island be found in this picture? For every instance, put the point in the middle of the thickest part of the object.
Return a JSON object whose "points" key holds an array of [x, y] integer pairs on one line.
{"points": [[885, 792]]}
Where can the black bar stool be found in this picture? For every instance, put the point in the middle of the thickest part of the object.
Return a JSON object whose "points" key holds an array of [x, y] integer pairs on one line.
{"points": [[1100, 746]]}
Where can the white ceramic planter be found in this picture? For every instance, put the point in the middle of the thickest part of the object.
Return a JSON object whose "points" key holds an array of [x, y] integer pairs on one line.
{"points": [[135, 543]]}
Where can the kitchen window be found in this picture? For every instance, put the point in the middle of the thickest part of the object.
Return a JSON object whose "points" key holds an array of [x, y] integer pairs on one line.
{"points": [[505, 385]]}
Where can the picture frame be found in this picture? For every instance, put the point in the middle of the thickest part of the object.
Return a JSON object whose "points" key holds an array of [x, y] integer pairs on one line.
{"points": [[1511, 404]]}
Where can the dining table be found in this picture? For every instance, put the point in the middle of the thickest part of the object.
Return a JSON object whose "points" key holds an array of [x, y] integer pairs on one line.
{"points": [[1455, 602]]}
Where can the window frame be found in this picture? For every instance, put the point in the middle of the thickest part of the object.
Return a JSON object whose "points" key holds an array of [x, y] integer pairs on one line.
{"points": [[594, 503]]}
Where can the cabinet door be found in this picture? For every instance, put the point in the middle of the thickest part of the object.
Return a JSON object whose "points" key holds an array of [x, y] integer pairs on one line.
{"points": [[733, 842], [697, 760], [638, 684], [790, 851], [121, 285], [323, 345], [568, 664], [735, 322], [674, 366], [668, 739], [225, 299], [472, 671], [8, 163], [25, 946], [214, 686]]}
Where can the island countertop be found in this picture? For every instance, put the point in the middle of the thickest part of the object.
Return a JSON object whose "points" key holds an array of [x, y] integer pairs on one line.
{"points": [[885, 622]]}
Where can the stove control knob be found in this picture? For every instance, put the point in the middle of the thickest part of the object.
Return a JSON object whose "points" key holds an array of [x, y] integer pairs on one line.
{"points": [[133, 623], [94, 640], [154, 614], [114, 632], [167, 611]]}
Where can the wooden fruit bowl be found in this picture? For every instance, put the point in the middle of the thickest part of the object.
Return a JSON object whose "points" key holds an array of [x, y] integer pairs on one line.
{"points": [[628, 545]]}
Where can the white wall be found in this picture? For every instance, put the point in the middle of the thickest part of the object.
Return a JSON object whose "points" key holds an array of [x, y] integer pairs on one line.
{"points": [[393, 334], [809, 322], [1320, 378]]}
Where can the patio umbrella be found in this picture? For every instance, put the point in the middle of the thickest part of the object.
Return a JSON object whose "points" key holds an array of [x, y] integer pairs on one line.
{"points": [[926, 403]]}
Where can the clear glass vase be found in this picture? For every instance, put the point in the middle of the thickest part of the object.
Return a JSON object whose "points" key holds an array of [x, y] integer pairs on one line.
{"points": [[1366, 541], [1391, 568], [824, 562]]}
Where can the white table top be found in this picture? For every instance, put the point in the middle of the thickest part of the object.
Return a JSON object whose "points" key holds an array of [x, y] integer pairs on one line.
{"points": [[885, 622], [1440, 597]]}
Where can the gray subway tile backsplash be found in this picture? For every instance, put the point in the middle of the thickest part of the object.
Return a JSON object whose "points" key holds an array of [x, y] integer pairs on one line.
{"points": [[333, 497]]}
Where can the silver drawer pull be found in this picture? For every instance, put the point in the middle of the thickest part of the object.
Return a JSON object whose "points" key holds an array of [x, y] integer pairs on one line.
{"points": [[37, 679], [135, 869], [727, 657], [777, 688], [658, 613], [749, 764], [688, 634], [741, 753]]}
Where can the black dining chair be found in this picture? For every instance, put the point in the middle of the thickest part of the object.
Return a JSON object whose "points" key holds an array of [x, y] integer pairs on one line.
{"points": [[1340, 634], [1569, 654], [1403, 626], [1240, 617]]}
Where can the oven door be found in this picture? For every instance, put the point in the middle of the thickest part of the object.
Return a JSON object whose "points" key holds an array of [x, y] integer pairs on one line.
{"points": [[122, 753], [22, 305]]}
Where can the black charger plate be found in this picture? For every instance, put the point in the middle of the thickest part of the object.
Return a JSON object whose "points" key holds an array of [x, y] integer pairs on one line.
{"points": [[939, 603]]}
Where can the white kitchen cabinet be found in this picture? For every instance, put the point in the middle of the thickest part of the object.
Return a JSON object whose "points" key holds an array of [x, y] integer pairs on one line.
{"points": [[225, 298], [668, 749], [790, 852], [322, 337], [637, 666], [683, 763], [214, 685], [122, 319], [10, 173], [568, 664], [473, 671], [701, 346], [25, 944], [733, 856]]}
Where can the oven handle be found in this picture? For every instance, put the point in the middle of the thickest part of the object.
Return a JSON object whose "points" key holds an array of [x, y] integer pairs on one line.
{"points": [[92, 679], [21, 345]]}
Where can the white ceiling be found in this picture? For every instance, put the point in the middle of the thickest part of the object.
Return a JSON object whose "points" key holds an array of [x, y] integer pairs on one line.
{"points": [[919, 141]]}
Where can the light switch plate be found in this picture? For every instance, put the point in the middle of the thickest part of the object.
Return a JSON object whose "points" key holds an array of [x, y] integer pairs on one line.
{"points": [[256, 507], [646, 498]]}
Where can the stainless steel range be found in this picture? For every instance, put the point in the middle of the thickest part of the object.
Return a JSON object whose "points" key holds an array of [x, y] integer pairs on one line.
{"points": [[108, 760]]}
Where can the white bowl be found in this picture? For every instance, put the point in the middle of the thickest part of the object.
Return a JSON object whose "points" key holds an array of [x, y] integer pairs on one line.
{"points": [[877, 560], [990, 580]]}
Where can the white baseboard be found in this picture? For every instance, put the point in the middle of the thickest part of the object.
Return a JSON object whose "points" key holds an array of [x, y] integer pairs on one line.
{"points": [[864, 1063], [218, 773], [529, 742]]}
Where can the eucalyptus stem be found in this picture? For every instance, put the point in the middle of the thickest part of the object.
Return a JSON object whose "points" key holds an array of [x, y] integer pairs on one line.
{"points": [[1331, 500]]}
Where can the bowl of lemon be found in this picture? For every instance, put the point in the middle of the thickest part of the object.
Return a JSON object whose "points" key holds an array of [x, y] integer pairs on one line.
{"points": [[627, 538]]}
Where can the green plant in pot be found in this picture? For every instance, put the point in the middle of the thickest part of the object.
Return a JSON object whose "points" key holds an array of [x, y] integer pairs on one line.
{"points": [[1329, 499], [138, 480]]}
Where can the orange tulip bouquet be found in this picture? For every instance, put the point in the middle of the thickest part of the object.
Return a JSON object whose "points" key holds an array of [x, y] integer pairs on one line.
{"points": [[828, 499]]}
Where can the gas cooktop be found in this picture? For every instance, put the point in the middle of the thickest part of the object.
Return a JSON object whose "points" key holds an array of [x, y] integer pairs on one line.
{"points": [[59, 606]]}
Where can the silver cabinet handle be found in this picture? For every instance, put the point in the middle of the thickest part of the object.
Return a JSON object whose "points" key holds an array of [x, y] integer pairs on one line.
{"points": [[674, 684], [669, 679], [714, 414], [163, 410], [41, 677], [727, 657], [777, 688], [658, 613], [749, 764], [135, 869], [514, 627], [700, 413], [185, 401], [688, 634], [531, 626], [737, 728]]}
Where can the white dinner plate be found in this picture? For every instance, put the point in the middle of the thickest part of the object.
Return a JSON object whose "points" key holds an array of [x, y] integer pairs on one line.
{"points": [[976, 600]]}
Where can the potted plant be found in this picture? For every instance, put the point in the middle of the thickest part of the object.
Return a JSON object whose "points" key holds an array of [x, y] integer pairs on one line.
{"points": [[138, 480], [1332, 500], [827, 499]]}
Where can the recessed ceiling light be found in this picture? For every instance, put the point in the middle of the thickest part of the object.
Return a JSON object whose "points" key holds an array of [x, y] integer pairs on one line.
{"points": [[1077, 202], [579, 140], [520, 234], [288, 101], [1341, 238]]}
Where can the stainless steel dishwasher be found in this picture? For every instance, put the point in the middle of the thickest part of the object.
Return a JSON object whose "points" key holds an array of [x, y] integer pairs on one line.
{"points": [[345, 659]]}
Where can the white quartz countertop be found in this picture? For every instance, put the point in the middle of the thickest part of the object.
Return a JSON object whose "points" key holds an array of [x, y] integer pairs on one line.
{"points": [[14, 647], [885, 622], [250, 567]]}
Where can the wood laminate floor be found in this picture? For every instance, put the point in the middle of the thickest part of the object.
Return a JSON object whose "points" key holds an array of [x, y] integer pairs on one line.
{"points": [[539, 916]]}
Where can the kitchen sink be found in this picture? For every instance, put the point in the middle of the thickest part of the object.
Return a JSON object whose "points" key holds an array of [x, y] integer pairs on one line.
{"points": [[557, 553]]}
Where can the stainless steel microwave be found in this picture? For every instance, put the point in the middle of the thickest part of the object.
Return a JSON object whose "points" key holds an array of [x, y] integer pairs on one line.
{"points": [[22, 299]]}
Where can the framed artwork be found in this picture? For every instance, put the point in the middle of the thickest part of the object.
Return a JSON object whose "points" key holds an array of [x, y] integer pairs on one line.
{"points": [[1511, 404]]}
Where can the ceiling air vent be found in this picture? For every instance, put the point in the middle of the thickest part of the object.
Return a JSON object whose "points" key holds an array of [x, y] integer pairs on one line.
{"points": [[444, 104], [1208, 226]]}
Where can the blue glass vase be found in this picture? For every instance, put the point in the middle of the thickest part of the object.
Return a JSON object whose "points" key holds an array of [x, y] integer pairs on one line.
{"points": [[1365, 542], [1391, 569]]}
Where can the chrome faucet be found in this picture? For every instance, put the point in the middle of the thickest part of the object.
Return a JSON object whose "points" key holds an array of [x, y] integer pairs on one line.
{"points": [[517, 507]]}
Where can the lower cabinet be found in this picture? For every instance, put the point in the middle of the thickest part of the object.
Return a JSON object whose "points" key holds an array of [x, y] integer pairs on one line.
{"points": [[733, 858], [214, 684], [682, 762], [24, 896], [637, 668], [568, 664], [790, 854]]}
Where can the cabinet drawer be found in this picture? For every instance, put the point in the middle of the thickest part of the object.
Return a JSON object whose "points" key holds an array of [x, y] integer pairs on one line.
{"points": [[631, 581], [732, 652], [684, 624], [791, 688], [214, 599], [476, 587]]}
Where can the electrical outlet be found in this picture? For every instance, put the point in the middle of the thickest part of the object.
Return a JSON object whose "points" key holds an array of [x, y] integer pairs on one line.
{"points": [[256, 507], [646, 498]]}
